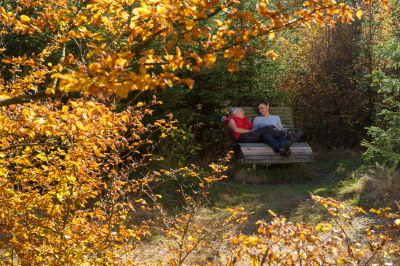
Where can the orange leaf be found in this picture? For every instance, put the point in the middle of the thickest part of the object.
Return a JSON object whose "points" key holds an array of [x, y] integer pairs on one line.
{"points": [[209, 60], [189, 83]]}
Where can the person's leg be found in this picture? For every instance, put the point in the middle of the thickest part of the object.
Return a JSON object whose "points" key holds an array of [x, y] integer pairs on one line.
{"points": [[249, 137], [282, 140], [284, 145], [253, 136], [271, 141]]}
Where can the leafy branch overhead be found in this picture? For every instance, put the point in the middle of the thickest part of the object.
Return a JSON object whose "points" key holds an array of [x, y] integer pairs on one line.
{"points": [[114, 47]]}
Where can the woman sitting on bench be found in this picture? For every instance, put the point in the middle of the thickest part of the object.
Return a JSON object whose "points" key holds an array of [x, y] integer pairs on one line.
{"points": [[242, 130]]}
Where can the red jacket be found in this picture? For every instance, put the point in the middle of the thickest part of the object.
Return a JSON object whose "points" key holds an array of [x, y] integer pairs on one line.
{"points": [[244, 123]]}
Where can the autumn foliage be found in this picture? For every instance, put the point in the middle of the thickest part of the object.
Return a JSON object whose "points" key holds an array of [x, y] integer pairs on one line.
{"points": [[114, 47], [76, 177], [67, 186], [287, 243]]}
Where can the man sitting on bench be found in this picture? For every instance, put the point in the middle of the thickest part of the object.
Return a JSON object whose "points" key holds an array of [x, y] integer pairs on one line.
{"points": [[276, 137]]}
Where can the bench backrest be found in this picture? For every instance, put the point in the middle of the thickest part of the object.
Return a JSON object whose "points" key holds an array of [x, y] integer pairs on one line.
{"points": [[285, 113]]}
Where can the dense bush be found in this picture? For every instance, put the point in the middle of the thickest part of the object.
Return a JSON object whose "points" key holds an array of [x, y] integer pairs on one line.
{"points": [[384, 143], [325, 79]]}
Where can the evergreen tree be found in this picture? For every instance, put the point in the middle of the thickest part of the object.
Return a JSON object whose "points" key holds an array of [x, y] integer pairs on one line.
{"points": [[384, 146]]}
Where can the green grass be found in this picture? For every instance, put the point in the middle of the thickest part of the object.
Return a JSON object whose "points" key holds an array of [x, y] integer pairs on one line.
{"points": [[286, 189]]}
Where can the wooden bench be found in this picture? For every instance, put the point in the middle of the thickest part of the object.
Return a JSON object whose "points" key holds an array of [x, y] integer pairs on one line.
{"points": [[260, 153]]}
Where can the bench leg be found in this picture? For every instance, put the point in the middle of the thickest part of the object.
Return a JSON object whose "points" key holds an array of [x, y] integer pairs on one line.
{"points": [[254, 166]]}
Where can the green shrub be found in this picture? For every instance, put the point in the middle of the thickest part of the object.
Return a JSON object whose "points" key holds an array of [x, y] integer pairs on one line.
{"points": [[384, 145]]}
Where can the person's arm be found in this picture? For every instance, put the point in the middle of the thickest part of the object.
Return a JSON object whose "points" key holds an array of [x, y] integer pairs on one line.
{"points": [[232, 126], [278, 123], [256, 123]]}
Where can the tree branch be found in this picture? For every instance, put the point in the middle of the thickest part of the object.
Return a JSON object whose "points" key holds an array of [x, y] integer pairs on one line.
{"points": [[28, 98]]}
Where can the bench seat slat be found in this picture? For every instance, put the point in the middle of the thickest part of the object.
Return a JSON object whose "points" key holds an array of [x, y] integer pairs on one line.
{"points": [[280, 160], [269, 150], [277, 157], [272, 154], [263, 145]]}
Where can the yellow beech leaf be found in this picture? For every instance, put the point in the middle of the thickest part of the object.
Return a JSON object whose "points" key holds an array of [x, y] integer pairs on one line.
{"points": [[189, 25], [124, 15], [80, 125], [359, 14], [25, 112], [24, 18], [271, 36], [323, 227], [123, 91], [31, 134], [253, 240], [219, 23], [94, 66], [208, 179], [50, 90], [120, 62], [161, 10], [397, 222], [254, 261], [59, 197], [56, 75]]}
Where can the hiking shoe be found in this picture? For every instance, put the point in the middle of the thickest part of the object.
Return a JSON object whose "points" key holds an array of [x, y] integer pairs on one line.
{"points": [[286, 146], [285, 150], [284, 153], [295, 136]]}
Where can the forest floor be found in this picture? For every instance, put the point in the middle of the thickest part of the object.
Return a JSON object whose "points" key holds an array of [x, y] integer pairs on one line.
{"points": [[285, 189]]}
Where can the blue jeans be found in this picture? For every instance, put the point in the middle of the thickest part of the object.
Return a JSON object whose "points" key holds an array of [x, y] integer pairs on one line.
{"points": [[274, 142]]}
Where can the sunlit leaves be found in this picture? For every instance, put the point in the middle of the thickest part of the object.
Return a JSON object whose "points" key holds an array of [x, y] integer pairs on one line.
{"points": [[134, 45], [57, 160], [271, 54], [282, 242], [323, 227]]}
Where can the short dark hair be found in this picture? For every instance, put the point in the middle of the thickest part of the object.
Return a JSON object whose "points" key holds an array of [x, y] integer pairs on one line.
{"points": [[262, 102]]}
